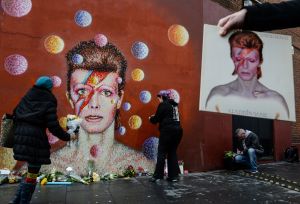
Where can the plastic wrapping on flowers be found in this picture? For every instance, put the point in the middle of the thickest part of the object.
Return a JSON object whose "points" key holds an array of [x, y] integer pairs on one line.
{"points": [[71, 176], [229, 154]]}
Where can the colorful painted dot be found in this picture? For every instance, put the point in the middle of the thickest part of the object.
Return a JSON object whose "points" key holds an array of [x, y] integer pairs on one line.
{"points": [[145, 96], [126, 106], [178, 35], [137, 74], [150, 147], [54, 44], [173, 94], [77, 59], [119, 80], [83, 18], [122, 130], [100, 40], [56, 81], [139, 50], [16, 8], [113, 101], [94, 151], [15, 64], [135, 122]]}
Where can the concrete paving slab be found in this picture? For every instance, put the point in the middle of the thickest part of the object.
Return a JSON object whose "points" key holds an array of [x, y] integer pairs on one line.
{"points": [[206, 187]]}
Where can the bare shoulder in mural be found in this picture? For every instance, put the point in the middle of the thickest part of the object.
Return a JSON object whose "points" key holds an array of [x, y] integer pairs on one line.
{"points": [[95, 89], [246, 54]]}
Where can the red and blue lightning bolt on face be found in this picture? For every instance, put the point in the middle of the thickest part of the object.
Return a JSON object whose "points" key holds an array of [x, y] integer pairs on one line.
{"points": [[246, 62], [95, 98]]}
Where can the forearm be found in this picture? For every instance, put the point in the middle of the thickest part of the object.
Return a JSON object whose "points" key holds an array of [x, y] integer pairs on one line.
{"points": [[59, 132], [263, 17]]}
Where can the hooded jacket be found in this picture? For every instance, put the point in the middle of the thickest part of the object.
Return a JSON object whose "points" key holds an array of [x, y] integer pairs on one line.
{"points": [[36, 111]]}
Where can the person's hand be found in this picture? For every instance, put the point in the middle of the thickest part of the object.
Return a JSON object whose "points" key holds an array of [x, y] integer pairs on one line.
{"points": [[231, 22], [239, 152]]}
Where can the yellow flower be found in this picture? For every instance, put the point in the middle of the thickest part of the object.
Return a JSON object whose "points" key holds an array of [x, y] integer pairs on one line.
{"points": [[44, 181], [96, 177]]}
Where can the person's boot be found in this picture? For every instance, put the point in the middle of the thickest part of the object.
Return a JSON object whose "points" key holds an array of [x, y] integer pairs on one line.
{"points": [[17, 196], [27, 192]]}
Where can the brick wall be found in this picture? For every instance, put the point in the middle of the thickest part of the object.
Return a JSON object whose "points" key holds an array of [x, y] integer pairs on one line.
{"points": [[235, 5]]}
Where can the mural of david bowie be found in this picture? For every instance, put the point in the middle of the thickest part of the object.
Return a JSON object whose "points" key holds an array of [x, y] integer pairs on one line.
{"points": [[95, 90]]}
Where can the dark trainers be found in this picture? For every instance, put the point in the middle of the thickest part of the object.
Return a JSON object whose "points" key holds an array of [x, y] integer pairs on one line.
{"points": [[154, 180], [175, 179]]}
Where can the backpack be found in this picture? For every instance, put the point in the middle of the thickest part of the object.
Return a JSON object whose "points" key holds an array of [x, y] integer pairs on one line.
{"points": [[291, 154]]}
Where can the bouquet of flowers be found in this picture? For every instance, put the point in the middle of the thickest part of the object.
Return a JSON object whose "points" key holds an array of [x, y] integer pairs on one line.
{"points": [[76, 178], [109, 176], [3, 179], [229, 160], [229, 155], [73, 123], [129, 171]]}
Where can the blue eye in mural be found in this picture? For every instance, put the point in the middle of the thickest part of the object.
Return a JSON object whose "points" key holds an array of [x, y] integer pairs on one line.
{"points": [[15, 64], [145, 96], [77, 59], [16, 8], [139, 50], [126, 106], [150, 148], [83, 18]]}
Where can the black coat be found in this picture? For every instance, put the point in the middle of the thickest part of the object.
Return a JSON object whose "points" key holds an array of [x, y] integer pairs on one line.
{"points": [[36, 112], [166, 115], [252, 141], [263, 17]]}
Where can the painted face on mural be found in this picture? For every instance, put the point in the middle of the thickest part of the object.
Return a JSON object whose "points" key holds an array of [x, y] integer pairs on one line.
{"points": [[246, 62], [94, 95]]}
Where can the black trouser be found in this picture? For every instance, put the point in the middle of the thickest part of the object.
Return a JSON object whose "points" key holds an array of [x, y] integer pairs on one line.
{"points": [[168, 142]]}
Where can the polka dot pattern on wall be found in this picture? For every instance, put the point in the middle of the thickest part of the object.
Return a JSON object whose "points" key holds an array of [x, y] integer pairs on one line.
{"points": [[16, 8], [83, 18], [15, 64], [54, 44], [139, 50]]}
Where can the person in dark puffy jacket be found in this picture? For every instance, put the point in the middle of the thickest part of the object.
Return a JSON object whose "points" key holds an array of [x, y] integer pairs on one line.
{"points": [[33, 115], [167, 116]]}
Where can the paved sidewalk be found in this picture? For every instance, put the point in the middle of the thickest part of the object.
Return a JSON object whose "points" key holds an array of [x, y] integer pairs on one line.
{"points": [[209, 187]]}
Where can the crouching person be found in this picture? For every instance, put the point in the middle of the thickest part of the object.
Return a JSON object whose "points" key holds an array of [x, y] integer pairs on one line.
{"points": [[248, 149], [35, 112]]}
